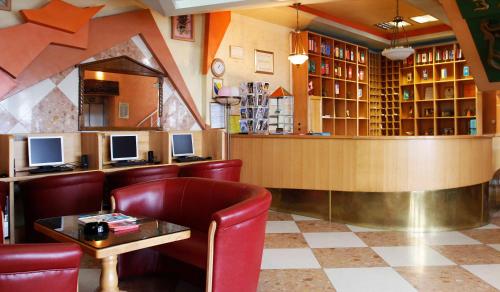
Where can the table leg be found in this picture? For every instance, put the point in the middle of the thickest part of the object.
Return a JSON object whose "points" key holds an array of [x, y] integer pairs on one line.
{"points": [[109, 275]]}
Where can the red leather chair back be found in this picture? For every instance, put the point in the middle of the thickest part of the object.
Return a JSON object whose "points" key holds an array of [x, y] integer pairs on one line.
{"points": [[61, 195], [128, 177], [39, 267], [221, 170], [192, 202]]}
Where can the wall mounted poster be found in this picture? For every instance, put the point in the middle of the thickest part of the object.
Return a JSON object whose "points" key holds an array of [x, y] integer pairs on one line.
{"points": [[5, 5], [264, 62], [216, 86], [183, 28]]}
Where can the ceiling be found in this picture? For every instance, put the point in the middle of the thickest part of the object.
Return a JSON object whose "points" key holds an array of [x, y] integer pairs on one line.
{"points": [[370, 12], [347, 19]]}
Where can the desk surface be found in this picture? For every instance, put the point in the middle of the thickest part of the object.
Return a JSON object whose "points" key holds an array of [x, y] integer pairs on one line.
{"points": [[25, 175]]}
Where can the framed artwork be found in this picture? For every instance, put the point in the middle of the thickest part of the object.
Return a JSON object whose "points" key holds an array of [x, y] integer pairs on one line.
{"points": [[216, 86], [5, 5], [123, 110], [183, 27], [264, 62]]}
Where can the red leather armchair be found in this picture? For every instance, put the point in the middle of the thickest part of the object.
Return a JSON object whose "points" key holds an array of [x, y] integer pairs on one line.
{"points": [[227, 222], [60, 195], [221, 170], [37, 267], [124, 178]]}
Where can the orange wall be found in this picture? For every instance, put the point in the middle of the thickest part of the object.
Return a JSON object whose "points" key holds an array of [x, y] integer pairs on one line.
{"points": [[140, 92]]}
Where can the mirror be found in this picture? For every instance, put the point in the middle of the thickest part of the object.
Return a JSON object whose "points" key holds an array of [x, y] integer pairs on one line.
{"points": [[119, 94]]}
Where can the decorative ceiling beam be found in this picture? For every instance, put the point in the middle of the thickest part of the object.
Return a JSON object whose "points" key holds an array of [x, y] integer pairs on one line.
{"points": [[60, 15], [216, 25]]}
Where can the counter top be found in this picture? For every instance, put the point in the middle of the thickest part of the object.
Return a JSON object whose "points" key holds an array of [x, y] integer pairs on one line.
{"points": [[364, 137]]}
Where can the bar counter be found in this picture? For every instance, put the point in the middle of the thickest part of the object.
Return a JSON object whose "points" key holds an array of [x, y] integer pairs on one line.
{"points": [[424, 183]]}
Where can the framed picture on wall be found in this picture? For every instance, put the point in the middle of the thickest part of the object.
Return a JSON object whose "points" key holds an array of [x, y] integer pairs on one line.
{"points": [[216, 86], [5, 5], [123, 110], [264, 62], [183, 28]]}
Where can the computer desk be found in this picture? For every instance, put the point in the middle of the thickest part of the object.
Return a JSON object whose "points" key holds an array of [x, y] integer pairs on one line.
{"points": [[25, 175]]}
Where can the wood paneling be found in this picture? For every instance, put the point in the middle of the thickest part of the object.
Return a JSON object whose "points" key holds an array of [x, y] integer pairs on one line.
{"points": [[364, 164]]}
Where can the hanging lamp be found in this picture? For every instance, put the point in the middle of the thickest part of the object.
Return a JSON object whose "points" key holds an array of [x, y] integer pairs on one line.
{"points": [[299, 54], [396, 52]]}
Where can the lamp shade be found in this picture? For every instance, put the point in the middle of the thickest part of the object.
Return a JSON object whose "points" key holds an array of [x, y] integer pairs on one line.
{"points": [[297, 58], [398, 53], [228, 91], [228, 95]]}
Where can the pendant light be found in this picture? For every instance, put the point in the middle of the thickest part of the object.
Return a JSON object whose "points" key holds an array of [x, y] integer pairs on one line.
{"points": [[397, 52], [299, 54]]}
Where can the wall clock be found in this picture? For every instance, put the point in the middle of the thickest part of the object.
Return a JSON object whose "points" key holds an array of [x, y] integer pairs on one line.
{"points": [[218, 67]]}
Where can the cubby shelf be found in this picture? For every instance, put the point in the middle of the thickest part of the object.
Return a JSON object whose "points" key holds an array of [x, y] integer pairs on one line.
{"points": [[433, 81], [331, 88]]}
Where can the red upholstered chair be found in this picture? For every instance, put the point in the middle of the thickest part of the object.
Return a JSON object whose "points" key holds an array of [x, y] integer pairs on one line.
{"points": [[37, 267], [128, 177], [60, 195], [227, 221], [221, 170]]}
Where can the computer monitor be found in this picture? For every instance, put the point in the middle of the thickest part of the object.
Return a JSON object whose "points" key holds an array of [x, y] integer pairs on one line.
{"points": [[182, 144], [45, 151], [123, 147]]}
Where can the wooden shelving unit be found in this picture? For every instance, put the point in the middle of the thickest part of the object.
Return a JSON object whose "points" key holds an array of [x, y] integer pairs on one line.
{"points": [[391, 119], [331, 88], [375, 126], [438, 96]]}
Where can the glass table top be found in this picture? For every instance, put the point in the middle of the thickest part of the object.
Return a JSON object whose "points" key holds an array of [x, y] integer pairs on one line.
{"points": [[148, 228]]}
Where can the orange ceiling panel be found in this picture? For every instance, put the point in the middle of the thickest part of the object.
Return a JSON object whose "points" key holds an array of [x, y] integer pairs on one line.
{"points": [[22, 43], [216, 24], [61, 15], [104, 33]]}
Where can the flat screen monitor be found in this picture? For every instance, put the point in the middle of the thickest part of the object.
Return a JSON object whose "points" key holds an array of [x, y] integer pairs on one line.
{"points": [[45, 151], [182, 145], [123, 147]]}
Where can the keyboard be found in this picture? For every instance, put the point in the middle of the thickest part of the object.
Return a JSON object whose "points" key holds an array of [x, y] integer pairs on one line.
{"points": [[129, 163], [50, 169], [191, 158]]}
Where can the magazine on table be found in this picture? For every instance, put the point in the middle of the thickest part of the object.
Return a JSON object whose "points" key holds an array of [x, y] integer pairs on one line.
{"points": [[109, 218]]}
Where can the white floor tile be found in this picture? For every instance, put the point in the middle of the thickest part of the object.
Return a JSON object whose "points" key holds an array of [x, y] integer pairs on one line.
{"points": [[282, 227], [412, 256], [303, 218], [444, 238], [289, 258], [368, 279], [355, 228], [489, 226], [495, 246], [88, 280], [488, 273], [333, 239]]}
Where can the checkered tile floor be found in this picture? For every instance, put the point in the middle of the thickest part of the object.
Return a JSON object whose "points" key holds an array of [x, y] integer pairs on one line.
{"points": [[306, 254]]}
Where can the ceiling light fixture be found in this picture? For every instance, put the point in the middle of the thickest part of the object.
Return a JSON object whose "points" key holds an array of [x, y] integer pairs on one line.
{"points": [[396, 52], [424, 18], [299, 54]]}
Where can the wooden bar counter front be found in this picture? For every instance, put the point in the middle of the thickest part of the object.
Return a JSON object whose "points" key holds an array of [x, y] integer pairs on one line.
{"points": [[401, 183]]}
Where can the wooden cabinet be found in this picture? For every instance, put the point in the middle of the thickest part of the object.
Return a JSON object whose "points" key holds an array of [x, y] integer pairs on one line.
{"points": [[333, 83]]}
